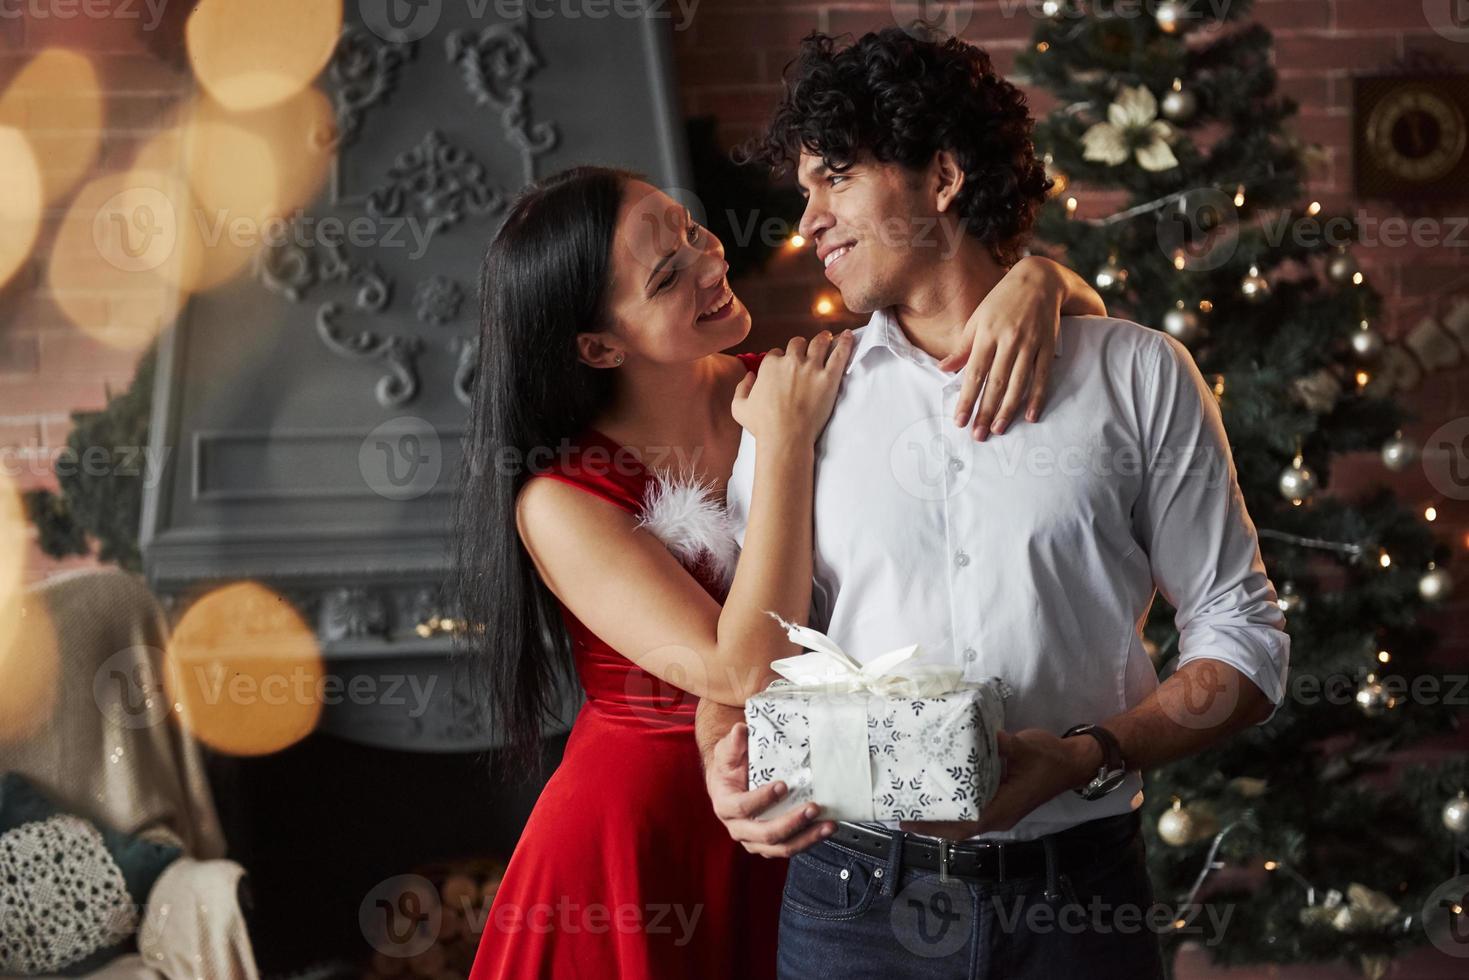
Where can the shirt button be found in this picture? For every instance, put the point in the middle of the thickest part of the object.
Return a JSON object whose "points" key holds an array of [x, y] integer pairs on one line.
{"points": [[961, 559], [969, 655], [955, 463]]}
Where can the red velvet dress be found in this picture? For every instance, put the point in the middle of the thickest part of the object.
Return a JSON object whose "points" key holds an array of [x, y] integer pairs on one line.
{"points": [[623, 871]]}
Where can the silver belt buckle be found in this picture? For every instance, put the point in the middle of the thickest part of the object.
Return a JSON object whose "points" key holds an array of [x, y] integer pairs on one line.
{"points": [[944, 846]]}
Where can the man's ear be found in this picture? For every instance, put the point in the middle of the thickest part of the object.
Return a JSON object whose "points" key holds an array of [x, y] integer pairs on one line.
{"points": [[948, 179], [598, 350]]}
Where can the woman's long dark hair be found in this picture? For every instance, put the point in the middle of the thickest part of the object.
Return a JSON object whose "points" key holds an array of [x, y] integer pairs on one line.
{"points": [[544, 280]]}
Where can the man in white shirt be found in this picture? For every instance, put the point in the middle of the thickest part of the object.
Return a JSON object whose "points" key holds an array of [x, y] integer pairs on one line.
{"points": [[1033, 555]]}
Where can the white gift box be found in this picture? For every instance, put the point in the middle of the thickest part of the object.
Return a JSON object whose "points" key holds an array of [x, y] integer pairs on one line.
{"points": [[885, 741]]}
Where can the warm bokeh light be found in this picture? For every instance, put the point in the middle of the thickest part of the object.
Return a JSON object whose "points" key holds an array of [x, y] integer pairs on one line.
{"points": [[824, 306], [246, 172], [798, 241], [57, 102], [123, 257], [244, 671], [249, 55], [20, 201], [14, 540], [29, 660], [1430, 513], [30, 668], [231, 191]]}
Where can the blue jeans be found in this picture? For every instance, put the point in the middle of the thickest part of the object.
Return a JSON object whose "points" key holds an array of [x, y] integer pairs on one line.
{"points": [[850, 915]]}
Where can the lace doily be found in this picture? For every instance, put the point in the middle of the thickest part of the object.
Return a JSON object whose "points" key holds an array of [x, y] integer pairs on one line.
{"points": [[62, 896]]}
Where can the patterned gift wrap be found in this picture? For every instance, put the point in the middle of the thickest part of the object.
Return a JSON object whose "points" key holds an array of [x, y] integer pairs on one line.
{"points": [[930, 758]]}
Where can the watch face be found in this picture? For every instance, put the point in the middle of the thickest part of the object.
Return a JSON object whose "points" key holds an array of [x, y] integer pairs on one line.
{"points": [[1103, 785]]}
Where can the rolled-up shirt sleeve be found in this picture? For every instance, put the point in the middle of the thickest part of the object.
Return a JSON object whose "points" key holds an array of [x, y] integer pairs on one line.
{"points": [[1190, 517]]}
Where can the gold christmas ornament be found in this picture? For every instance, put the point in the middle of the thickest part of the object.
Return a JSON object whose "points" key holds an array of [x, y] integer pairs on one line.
{"points": [[1180, 825]]}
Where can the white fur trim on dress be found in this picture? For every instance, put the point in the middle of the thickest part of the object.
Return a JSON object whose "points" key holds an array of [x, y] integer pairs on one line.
{"points": [[691, 522]]}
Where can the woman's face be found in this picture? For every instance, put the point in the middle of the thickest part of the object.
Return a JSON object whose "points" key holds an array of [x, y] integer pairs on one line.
{"points": [[669, 299]]}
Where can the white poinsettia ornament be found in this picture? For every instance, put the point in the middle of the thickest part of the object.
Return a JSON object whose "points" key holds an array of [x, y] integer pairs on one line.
{"points": [[1132, 129]]}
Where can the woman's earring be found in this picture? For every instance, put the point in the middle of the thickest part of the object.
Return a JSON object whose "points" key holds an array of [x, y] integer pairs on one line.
{"points": [[619, 358]]}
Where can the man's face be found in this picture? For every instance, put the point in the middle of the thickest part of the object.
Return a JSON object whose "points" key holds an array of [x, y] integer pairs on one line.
{"points": [[875, 227]]}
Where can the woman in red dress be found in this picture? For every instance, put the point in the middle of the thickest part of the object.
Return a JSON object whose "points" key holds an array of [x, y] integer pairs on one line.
{"points": [[590, 541]]}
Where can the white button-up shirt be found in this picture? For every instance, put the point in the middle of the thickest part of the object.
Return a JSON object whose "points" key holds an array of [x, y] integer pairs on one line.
{"points": [[1035, 555]]}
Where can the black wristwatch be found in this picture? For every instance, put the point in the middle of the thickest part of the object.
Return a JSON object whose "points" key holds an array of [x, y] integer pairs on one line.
{"points": [[1112, 771]]}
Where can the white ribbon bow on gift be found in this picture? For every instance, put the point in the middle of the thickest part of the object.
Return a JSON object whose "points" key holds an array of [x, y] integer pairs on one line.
{"points": [[830, 669]]}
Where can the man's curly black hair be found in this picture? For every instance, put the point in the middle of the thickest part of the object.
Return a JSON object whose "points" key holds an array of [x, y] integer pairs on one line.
{"points": [[903, 98]]}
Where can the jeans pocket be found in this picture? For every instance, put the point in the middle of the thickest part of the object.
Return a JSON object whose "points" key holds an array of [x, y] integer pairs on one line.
{"points": [[826, 883]]}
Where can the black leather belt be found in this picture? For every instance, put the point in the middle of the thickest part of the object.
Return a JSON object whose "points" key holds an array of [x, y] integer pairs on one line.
{"points": [[992, 860]]}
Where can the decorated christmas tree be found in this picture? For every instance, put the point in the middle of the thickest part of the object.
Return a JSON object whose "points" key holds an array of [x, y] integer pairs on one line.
{"points": [[1297, 829]]}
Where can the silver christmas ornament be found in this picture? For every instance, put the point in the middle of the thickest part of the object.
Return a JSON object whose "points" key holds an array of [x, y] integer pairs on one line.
{"points": [[1297, 482], [1183, 324], [1254, 287], [1367, 343], [1289, 599], [1436, 584], [1179, 105], [1169, 16], [1456, 813], [1398, 453], [1342, 266], [1110, 276], [1373, 698]]}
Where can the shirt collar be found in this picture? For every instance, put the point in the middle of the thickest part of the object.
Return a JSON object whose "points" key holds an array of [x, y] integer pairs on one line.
{"points": [[883, 331]]}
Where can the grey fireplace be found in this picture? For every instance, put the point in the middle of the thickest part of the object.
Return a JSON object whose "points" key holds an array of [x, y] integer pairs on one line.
{"points": [[312, 409]]}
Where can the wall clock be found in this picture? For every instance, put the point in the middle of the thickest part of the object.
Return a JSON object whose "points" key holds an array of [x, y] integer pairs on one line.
{"points": [[1411, 135]]}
